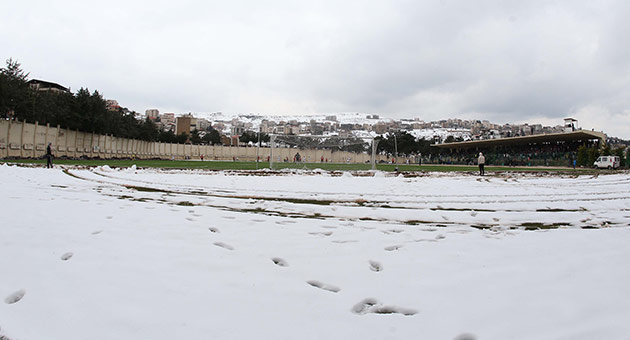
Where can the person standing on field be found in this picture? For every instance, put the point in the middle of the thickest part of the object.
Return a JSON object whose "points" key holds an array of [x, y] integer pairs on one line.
{"points": [[482, 162], [49, 156]]}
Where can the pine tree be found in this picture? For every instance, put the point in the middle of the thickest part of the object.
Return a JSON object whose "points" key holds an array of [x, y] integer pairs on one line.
{"points": [[14, 90]]}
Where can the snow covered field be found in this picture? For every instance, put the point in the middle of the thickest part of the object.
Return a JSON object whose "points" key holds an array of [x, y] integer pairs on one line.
{"points": [[149, 254]]}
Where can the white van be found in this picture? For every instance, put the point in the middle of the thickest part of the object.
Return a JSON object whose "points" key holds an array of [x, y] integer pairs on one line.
{"points": [[608, 162]]}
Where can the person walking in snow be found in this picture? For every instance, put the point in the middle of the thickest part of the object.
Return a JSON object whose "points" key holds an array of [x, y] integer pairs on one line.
{"points": [[482, 162], [49, 156]]}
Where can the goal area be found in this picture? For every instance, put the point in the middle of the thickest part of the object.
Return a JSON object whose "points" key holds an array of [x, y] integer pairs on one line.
{"points": [[310, 151]]}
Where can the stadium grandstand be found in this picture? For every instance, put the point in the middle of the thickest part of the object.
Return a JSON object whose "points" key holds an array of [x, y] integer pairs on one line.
{"points": [[552, 149]]}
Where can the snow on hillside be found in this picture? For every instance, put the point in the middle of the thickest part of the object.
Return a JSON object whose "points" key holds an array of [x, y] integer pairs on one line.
{"points": [[256, 119], [442, 134], [153, 254]]}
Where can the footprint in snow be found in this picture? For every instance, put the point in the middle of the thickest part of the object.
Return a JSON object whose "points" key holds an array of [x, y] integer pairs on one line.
{"points": [[15, 297], [371, 305], [392, 248], [425, 240], [465, 336], [392, 231], [324, 286], [66, 256], [96, 232], [321, 233], [280, 262], [375, 266], [364, 306], [213, 230], [223, 245]]}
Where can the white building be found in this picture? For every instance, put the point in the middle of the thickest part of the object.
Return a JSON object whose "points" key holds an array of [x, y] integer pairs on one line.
{"points": [[152, 114]]}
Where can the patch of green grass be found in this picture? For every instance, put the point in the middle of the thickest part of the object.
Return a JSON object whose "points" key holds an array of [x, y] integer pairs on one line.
{"points": [[439, 208], [316, 216], [299, 200], [482, 226], [229, 165], [367, 219], [540, 225], [145, 189], [417, 222]]}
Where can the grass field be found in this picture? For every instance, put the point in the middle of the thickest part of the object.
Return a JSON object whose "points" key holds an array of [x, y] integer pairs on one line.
{"points": [[229, 165]]}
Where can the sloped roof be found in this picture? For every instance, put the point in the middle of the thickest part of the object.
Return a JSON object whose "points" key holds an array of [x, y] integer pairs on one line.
{"points": [[48, 84], [522, 140]]}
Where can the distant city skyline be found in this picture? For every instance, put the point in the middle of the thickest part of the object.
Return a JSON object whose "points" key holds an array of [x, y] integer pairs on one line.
{"points": [[356, 125], [502, 61]]}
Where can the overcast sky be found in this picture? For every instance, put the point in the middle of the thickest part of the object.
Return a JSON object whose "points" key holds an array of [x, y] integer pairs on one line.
{"points": [[504, 61]]}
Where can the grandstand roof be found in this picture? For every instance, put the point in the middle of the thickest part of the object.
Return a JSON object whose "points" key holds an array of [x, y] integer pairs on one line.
{"points": [[521, 140]]}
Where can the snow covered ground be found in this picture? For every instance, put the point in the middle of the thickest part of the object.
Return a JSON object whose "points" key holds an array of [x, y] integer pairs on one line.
{"points": [[147, 254]]}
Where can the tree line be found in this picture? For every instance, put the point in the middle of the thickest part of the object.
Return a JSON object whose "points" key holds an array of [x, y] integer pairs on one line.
{"points": [[405, 143], [84, 110]]}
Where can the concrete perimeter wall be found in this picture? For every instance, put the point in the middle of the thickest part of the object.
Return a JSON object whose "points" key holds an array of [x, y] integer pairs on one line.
{"points": [[26, 140]]}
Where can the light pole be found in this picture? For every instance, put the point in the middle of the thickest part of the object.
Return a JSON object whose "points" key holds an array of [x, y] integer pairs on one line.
{"points": [[374, 143], [273, 144], [258, 149]]}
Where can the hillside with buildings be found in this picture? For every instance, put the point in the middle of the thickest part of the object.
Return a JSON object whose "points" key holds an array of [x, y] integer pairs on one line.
{"points": [[345, 125]]}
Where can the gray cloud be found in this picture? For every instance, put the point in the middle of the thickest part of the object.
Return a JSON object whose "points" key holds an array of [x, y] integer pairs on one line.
{"points": [[506, 61]]}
